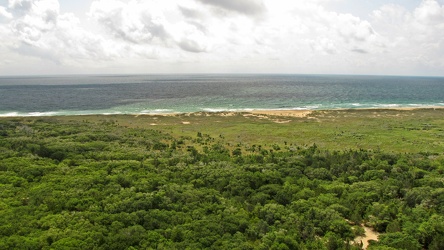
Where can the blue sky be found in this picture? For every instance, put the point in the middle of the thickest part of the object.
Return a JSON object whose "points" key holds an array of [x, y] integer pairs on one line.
{"points": [[378, 37]]}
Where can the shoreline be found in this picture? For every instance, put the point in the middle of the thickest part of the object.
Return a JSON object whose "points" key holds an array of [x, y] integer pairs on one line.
{"points": [[391, 130], [305, 113], [300, 113]]}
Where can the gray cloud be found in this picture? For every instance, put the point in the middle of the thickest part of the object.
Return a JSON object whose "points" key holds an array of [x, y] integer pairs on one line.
{"points": [[199, 26], [35, 18], [191, 46], [246, 7], [20, 5], [141, 24], [354, 29], [360, 51], [139, 29], [190, 13]]}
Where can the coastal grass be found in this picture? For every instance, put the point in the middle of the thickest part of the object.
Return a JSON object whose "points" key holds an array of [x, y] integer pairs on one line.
{"points": [[388, 130]]}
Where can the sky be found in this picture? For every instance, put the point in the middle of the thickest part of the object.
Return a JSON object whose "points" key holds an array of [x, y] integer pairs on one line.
{"points": [[371, 37]]}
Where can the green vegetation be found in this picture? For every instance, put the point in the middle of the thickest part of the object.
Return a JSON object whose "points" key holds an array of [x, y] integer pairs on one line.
{"points": [[391, 131], [223, 182]]}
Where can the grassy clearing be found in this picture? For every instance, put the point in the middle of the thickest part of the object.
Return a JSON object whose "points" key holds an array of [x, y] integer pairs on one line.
{"points": [[412, 131]]}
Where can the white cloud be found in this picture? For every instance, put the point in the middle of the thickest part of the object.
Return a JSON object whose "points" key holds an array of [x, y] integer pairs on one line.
{"points": [[324, 45], [415, 38], [225, 36], [4, 14], [326, 32], [430, 12], [39, 17], [41, 31]]}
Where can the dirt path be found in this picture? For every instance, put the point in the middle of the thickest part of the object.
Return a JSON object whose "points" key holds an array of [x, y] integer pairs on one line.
{"points": [[369, 235]]}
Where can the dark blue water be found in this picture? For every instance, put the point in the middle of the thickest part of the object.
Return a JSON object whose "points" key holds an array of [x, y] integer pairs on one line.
{"points": [[138, 94]]}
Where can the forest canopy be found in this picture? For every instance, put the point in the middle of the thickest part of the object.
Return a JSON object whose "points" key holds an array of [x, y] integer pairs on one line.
{"points": [[98, 184]]}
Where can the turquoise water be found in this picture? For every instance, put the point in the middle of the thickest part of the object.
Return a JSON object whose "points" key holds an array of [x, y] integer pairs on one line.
{"points": [[151, 94]]}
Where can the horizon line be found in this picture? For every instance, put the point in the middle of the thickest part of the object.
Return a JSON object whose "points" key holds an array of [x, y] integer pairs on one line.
{"points": [[212, 74]]}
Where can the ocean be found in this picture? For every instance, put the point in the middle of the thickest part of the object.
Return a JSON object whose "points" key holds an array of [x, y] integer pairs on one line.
{"points": [[157, 94]]}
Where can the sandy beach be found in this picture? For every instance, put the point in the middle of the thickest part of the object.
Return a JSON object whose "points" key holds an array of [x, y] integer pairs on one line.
{"points": [[288, 113], [304, 113]]}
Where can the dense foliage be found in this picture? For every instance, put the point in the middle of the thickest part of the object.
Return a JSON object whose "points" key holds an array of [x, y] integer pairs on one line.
{"points": [[87, 185]]}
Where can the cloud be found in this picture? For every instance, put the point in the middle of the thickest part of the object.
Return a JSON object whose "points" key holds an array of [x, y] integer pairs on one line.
{"points": [[230, 35], [360, 51], [191, 45], [20, 5], [430, 12], [327, 32], [246, 7], [414, 38], [4, 14], [174, 30], [354, 29], [36, 19], [145, 23], [135, 21], [191, 13], [191, 37], [39, 30], [324, 45]]}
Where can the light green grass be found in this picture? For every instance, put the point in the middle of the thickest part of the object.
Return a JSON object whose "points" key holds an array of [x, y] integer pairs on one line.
{"points": [[411, 131]]}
